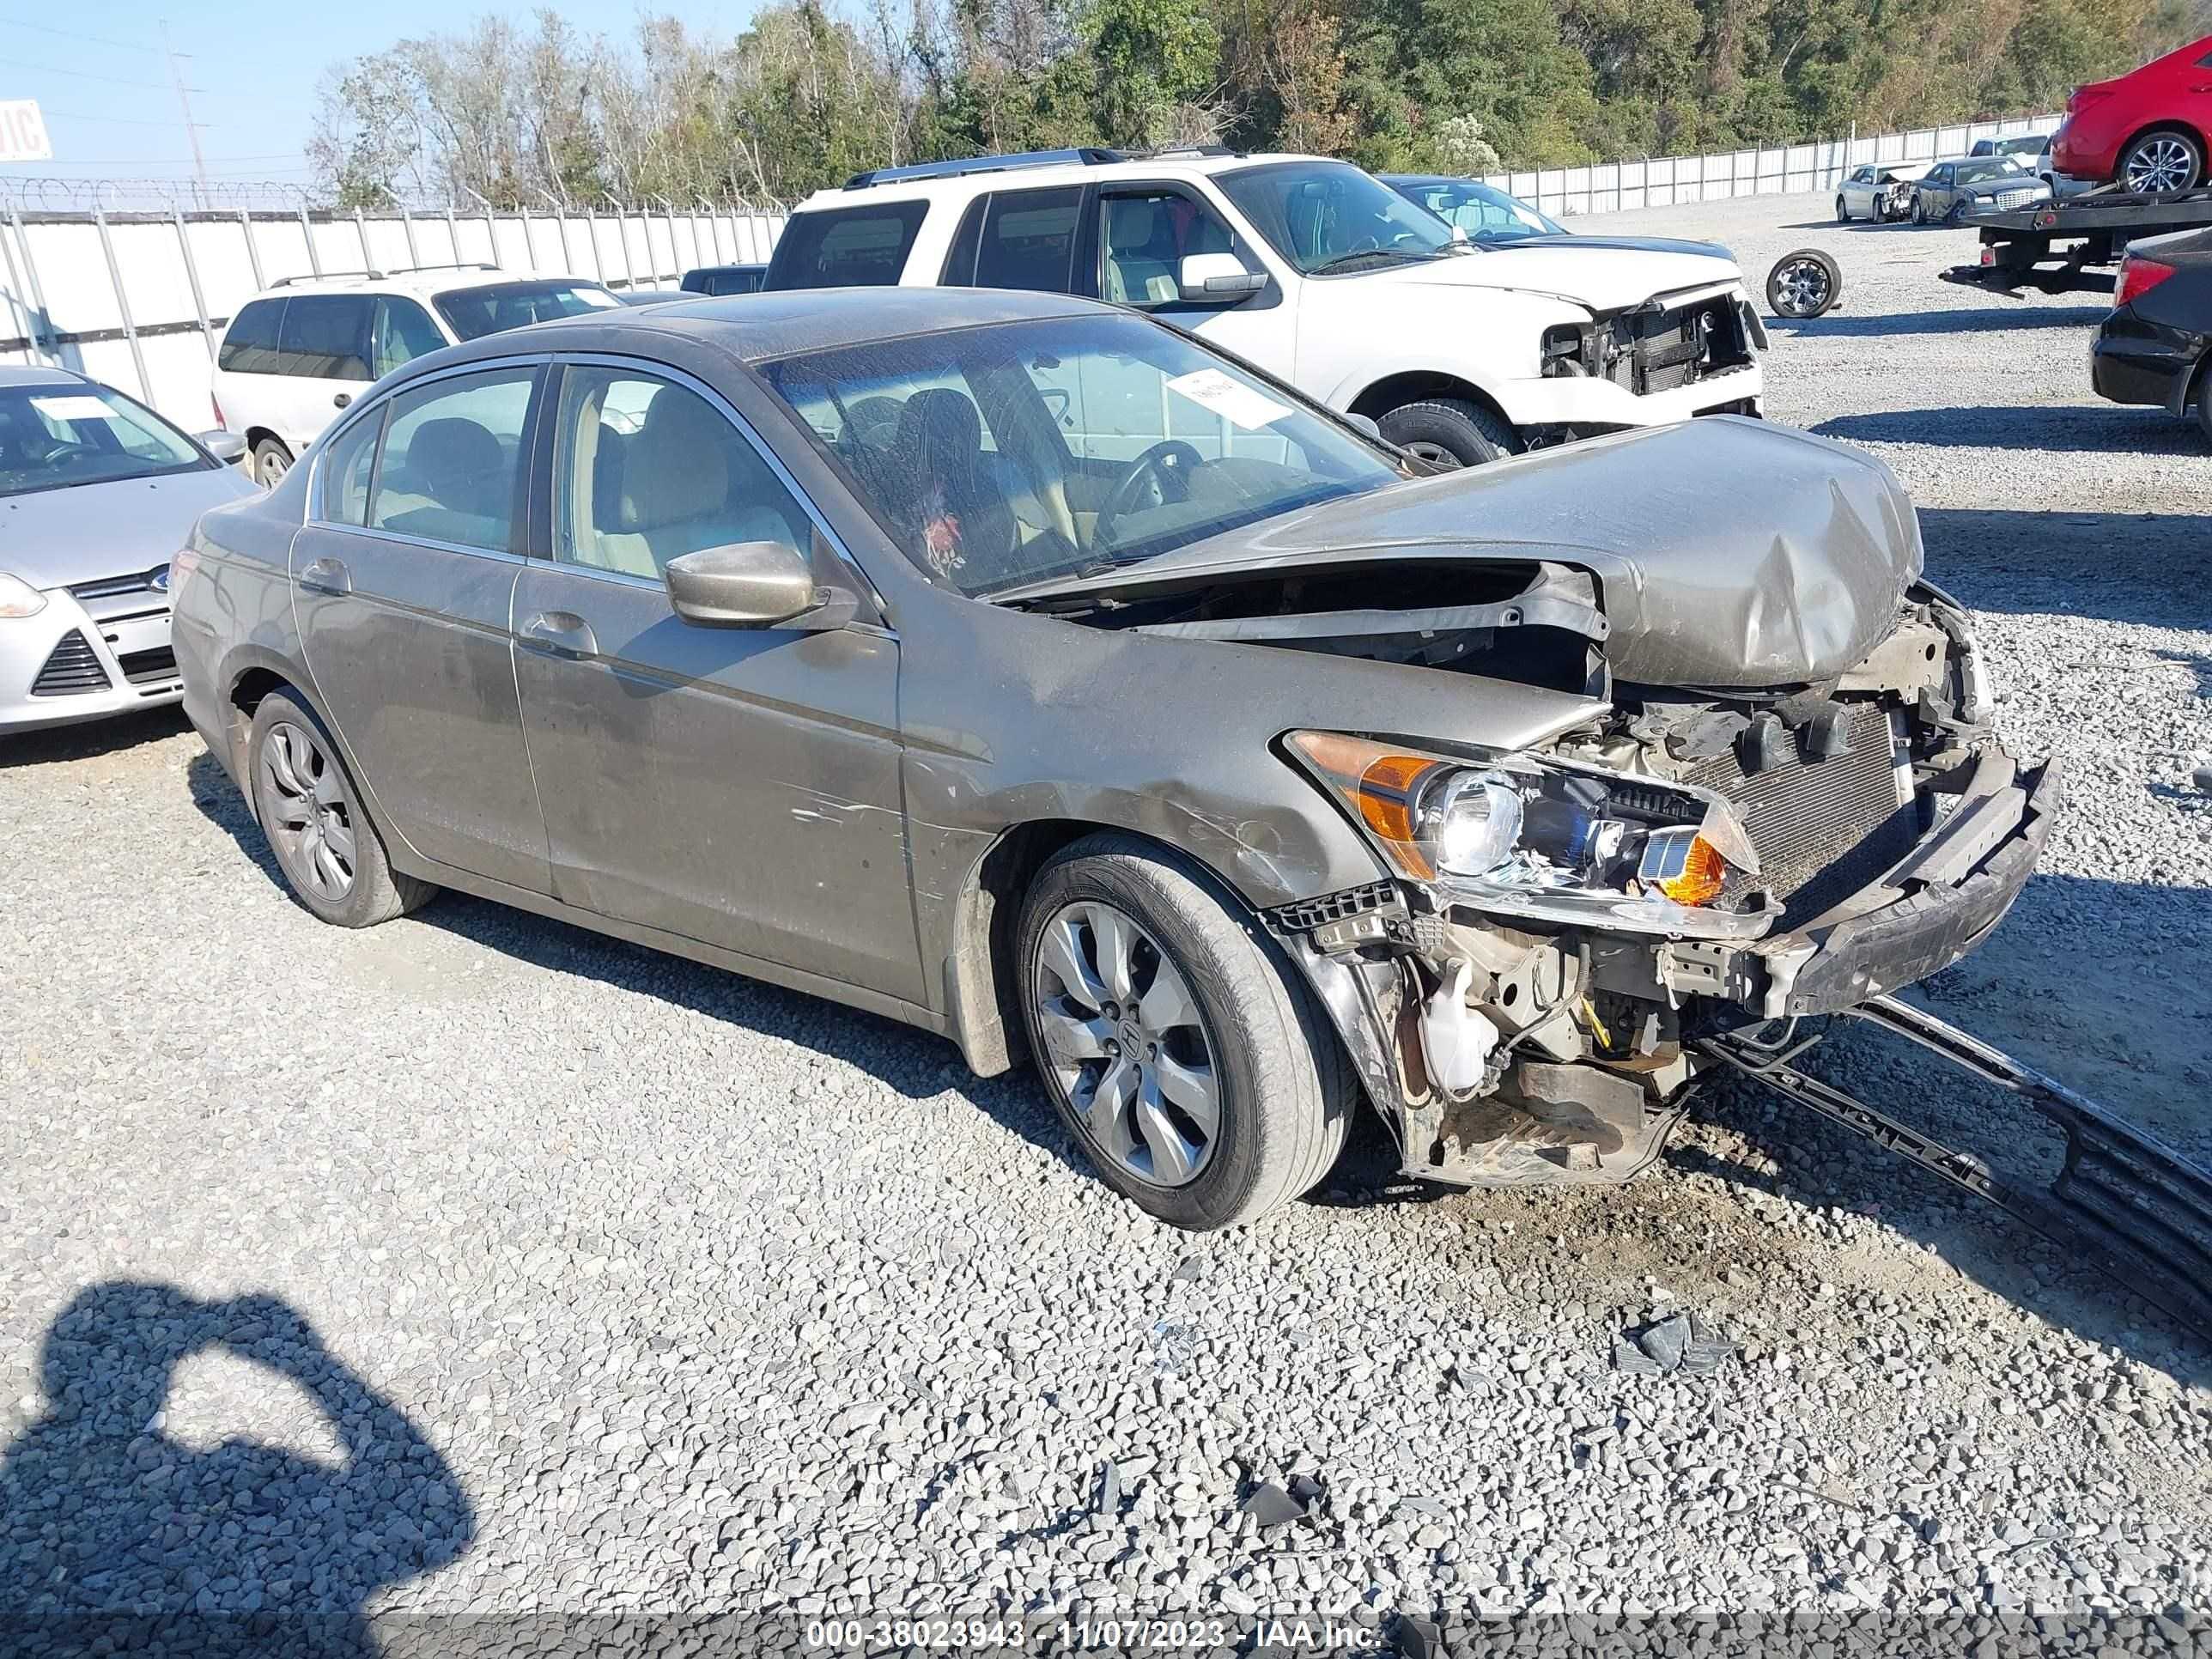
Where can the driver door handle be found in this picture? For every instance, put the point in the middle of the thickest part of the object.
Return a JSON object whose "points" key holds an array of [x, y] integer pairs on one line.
{"points": [[326, 576], [561, 632]]}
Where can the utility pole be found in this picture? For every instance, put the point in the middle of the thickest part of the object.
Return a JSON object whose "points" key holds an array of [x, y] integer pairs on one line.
{"points": [[183, 103]]}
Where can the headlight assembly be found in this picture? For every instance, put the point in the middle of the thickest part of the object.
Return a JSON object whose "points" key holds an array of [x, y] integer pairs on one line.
{"points": [[1548, 839], [18, 597]]}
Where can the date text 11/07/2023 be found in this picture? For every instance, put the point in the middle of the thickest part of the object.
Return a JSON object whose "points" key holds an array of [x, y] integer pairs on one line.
{"points": [[1070, 1636]]}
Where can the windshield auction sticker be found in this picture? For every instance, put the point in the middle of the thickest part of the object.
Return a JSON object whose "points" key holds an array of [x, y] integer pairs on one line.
{"points": [[1239, 404]]}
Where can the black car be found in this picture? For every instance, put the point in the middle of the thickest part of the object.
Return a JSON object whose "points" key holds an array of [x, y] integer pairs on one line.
{"points": [[725, 279], [2154, 347], [1950, 191]]}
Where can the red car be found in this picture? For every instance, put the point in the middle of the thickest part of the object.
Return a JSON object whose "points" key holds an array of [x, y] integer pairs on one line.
{"points": [[2148, 130]]}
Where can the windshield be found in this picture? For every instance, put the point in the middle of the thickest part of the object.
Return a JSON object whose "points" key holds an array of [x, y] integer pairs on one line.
{"points": [[1995, 166], [1006, 455], [470, 311], [1485, 214], [56, 436], [1329, 217]]}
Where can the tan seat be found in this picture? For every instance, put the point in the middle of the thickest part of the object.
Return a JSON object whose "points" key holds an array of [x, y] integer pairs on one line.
{"points": [[674, 491]]}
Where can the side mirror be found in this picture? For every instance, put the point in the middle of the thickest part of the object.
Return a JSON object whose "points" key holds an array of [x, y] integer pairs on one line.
{"points": [[227, 447], [1217, 279], [1365, 427], [742, 584]]}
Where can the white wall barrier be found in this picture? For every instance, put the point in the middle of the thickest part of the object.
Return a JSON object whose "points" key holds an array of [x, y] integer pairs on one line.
{"points": [[139, 300], [1782, 170]]}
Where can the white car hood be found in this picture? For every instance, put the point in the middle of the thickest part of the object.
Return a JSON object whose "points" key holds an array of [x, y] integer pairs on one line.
{"points": [[1604, 278]]}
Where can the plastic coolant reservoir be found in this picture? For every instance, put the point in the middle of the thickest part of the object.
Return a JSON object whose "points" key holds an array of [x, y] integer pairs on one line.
{"points": [[1456, 1041]]}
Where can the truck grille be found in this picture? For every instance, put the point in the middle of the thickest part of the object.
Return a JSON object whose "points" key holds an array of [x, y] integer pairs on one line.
{"points": [[1822, 828], [71, 670]]}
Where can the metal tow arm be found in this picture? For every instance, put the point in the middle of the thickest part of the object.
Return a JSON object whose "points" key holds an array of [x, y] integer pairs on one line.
{"points": [[2126, 1202]]}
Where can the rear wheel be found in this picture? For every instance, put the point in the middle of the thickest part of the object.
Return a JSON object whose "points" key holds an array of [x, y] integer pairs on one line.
{"points": [[2167, 159], [331, 854], [271, 461], [1450, 432], [1180, 1048]]}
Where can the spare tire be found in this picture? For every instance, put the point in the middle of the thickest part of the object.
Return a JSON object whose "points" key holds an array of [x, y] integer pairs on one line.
{"points": [[1804, 283]]}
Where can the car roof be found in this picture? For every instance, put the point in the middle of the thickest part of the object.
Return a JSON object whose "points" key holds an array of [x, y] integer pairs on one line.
{"points": [[38, 374], [1020, 174], [418, 283], [755, 327]]}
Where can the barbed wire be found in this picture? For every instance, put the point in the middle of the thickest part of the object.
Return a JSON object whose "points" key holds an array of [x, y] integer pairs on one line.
{"points": [[59, 194]]}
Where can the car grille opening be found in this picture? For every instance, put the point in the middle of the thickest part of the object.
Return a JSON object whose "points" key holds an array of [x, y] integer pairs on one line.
{"points": [[1822, 828], [1659, 350], [148, 667], [71, 670]]}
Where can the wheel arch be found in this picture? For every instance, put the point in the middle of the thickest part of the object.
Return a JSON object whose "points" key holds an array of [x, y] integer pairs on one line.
{"points": [[982, 1012], [1422, 385], [247, 679], [257, 434]]}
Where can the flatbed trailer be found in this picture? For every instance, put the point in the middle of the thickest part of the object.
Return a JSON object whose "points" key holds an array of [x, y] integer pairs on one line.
{"points": [[2059, 248]]}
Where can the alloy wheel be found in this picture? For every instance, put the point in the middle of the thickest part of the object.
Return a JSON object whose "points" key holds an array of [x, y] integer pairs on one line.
{"points": [[1126, 1044], [273, 469], [2161, 162], [309, 816], [1801, 288]]}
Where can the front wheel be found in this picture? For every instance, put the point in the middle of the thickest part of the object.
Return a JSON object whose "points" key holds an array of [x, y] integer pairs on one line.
{"points": [[1957, 216], [271, 461], [1450, 432], [332, 858], [1803, 284], [1179, 1047], [1843, 212], [2165, 160]]}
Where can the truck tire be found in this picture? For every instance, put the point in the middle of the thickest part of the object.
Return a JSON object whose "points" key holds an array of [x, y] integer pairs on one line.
{"points": [[1450, 432]]}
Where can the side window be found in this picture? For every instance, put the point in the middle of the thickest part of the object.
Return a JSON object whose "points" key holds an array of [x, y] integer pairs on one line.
{"points": [[249, 345], [347, 470], [324, 337], [846, 247], [452, 459], [646, 471], [404, 333], [1029, 239], [1144, 240]]}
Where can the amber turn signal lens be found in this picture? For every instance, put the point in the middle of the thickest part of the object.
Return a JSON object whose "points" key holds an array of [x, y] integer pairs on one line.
{"points": [[1379, 784], [1699, 881]]}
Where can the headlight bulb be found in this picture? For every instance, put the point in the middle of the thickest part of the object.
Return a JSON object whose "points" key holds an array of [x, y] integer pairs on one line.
{"points": [[1472, 821]]}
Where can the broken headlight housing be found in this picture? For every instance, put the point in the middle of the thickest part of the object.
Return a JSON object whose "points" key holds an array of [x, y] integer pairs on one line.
{"points": [[1547, 839]]}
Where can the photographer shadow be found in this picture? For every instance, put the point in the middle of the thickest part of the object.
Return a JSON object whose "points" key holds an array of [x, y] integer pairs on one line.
{"points": [[116, 1537]]}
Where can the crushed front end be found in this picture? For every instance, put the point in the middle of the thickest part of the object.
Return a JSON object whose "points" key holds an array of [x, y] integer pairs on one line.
{"points": [[1524, 998]]}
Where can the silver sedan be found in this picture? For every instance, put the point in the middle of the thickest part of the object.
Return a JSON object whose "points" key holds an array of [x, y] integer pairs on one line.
{"points": [[96, 493]]}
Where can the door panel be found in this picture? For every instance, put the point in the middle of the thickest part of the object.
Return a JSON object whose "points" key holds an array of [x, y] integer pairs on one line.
{"points": [[739, 786], [736, 786], [409, 640]]}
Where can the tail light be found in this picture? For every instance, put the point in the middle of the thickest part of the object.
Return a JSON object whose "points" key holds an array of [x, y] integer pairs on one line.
{"points": [[215, 404], [182, 564], [2138, 275]]}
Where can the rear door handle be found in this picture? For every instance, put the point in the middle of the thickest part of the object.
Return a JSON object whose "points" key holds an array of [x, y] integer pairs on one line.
{"points": [[562, 632], [326, 576]]}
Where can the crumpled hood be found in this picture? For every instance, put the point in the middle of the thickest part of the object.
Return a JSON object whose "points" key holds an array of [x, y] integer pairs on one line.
{"points": [[55, 537], [1604, 273], [1728, 553]]}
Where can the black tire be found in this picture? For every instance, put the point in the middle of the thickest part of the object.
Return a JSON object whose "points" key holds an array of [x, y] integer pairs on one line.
{"points": [[2205, 401], [1284, 1086], [288, 745], [1957, 216], [271, 461], [1919, 209], [1843, 213], [1450, 432], [2162, 142], [1804, 283]]}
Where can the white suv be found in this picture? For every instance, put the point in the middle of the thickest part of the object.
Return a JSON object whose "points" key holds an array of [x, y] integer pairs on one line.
{"points": [[1324, 277], [305, 346]]}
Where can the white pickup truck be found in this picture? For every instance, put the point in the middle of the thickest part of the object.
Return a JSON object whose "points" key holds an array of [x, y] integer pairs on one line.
{"points": [[1459, 348]]}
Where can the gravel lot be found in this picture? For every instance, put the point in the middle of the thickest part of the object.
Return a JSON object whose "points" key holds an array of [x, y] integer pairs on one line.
{"points": [[475, 1264]]}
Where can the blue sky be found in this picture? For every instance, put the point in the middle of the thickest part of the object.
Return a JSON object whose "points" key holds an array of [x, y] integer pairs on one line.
{"points": [[98, 73]]}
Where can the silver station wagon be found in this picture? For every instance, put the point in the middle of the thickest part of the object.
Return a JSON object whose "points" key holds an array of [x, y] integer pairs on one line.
{"points": [[1022, 669]]}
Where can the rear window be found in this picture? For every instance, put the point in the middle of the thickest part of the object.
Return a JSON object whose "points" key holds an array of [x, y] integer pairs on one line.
{"points": [[846, 247], [471, 312], [249, 345], [324, 337]]}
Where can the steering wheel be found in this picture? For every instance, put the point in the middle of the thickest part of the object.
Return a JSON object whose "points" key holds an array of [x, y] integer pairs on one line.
{"points": [[1166, 466]]}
